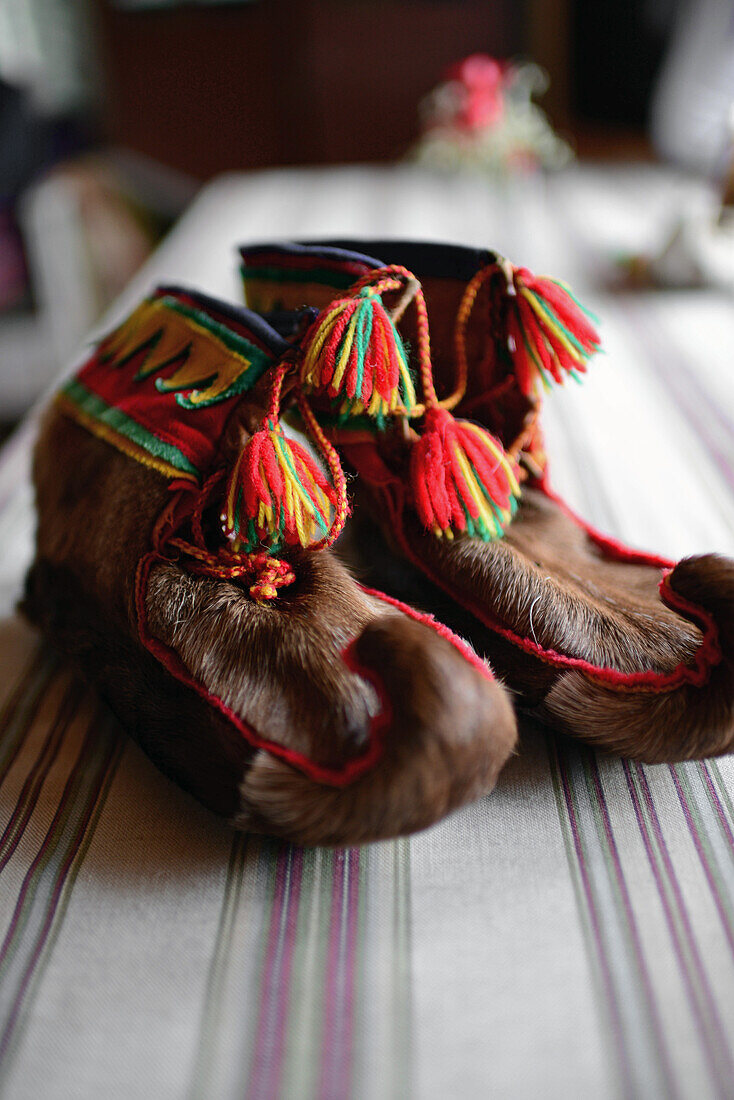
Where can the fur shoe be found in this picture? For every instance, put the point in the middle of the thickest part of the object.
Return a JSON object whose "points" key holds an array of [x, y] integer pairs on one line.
{"points": [[616, 647], [184, 559]]}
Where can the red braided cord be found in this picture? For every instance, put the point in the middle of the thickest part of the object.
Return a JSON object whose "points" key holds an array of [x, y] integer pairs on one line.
{"points": [[273, 411], [465, 310]]}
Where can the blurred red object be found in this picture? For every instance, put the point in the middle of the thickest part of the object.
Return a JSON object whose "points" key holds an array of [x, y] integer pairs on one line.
{"points": [[482, 104], [482, 117]]}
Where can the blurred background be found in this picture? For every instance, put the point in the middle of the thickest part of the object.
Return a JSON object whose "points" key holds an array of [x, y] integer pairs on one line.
{"points": [[113, 113]]}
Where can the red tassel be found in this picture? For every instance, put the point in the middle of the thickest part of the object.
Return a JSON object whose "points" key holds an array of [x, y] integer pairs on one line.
{"points": [[551, 334], [462, 478], [277, 494]]}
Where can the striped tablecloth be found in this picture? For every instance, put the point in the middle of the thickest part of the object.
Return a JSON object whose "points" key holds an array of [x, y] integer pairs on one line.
{"points": [[570, 935]]}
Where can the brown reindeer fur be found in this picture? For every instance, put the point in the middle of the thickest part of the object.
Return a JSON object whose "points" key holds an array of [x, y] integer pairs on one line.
{"points": [[277, 666], [547, 581], [435, 750], [679, 725]]}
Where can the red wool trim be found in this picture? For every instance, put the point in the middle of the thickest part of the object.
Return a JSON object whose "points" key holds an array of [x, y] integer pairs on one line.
{"points": [[709, 653]]}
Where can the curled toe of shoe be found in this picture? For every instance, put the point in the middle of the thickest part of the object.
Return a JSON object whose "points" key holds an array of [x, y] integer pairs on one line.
{"points": [[447, 729], [695, 719]]}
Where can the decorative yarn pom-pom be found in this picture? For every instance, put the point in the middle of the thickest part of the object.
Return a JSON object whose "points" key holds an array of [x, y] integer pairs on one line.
{"points": [[553, 335], [354, 352], [463, 480], [277, 494]]}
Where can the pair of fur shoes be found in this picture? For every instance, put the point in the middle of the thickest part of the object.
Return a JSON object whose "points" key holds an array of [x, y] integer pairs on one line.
{"points": [[206, 480]]}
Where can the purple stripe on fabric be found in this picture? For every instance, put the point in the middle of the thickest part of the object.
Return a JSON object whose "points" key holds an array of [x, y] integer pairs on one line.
{"points": [[632, 928], [33, 785], [339, 997], [344, 1052], [75, 843], [703, 856], [678, 895], [283, 991], [594, 919], [260, 1057], [30, 696], [330, 1044], [701, 1023], [720, 811], [275, 987], [351, 971], [65, 797]]}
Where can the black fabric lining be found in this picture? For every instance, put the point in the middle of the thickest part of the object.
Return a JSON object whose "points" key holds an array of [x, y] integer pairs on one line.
{"points": [[426, 259]]}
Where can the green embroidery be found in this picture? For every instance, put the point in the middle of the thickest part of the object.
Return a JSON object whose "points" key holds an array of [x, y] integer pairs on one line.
{"points": [[106, 414], [214, 363]]}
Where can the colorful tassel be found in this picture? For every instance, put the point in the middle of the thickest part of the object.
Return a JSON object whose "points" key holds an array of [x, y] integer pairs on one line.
{"points": [[462, 478], [355, 354], [551, 333], [277, 494]]}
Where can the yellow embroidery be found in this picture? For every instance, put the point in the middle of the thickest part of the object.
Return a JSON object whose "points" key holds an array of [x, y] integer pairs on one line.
{"points": [[162, 337]]}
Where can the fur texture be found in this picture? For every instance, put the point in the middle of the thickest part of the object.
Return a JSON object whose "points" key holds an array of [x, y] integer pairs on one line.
{"points": [[436, 749], [680, 725], [546, 580], [279, 667]]}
